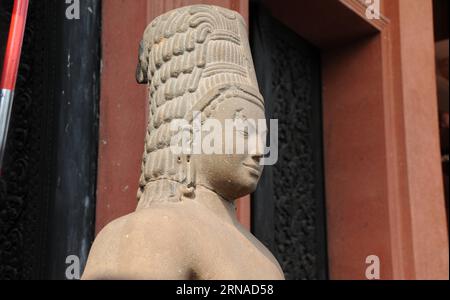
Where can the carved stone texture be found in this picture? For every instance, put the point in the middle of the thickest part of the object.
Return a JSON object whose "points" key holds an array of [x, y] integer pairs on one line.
{"points": [[195, 58]]}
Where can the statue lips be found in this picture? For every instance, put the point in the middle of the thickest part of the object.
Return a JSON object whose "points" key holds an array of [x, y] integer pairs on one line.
{"points": [[254, 169]]}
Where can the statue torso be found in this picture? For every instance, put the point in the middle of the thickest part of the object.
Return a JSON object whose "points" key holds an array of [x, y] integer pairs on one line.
{"points": [[178, 241]]}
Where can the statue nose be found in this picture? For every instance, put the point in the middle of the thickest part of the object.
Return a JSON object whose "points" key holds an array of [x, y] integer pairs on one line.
{"points": [[257, 156], [257, 159]]}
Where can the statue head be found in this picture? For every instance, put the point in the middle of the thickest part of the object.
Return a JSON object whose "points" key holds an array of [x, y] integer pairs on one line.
{"points": [[197, 59]]}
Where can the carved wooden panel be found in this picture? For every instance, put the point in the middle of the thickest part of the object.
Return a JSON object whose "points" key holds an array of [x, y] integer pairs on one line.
{"points": [[288, 212]]}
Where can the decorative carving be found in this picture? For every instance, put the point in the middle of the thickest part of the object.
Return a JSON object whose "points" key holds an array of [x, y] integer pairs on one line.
{"points": [[195, 58], [296, 173], [288, 212]]}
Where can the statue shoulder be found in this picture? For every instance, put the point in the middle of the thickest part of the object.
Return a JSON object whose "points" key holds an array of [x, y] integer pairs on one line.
{"points": [[143, 240]]}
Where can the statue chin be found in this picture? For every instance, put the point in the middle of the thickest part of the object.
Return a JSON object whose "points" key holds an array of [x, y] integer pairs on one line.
{"points": [[245, 184]]}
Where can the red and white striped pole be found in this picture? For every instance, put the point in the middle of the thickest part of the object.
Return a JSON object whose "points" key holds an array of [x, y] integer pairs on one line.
{"points": [[10, 68]]}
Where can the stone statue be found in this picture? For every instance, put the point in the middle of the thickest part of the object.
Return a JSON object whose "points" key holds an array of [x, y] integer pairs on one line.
{"points": [[195, 58]]}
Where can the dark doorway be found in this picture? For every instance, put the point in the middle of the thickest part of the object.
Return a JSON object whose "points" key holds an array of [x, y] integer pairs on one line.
{"points": [[288, 205]]}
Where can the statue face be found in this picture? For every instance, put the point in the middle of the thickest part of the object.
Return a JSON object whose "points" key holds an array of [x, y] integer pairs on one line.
{"points": [[234, 175]]}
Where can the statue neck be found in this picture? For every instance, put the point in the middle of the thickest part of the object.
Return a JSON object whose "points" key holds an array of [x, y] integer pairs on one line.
{"points": [[165, 191], [222, 208]]}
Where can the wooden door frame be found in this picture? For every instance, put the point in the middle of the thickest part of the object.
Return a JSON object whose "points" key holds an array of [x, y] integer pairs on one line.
{"points": [[381, 141]]}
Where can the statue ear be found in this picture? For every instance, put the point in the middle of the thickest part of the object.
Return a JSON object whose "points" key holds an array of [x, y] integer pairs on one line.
{"points": [[142, 67]]}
